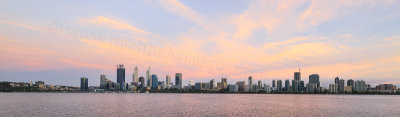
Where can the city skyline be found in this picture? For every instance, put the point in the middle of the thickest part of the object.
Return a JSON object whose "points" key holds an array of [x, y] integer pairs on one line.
{"points": [[60, 43]]}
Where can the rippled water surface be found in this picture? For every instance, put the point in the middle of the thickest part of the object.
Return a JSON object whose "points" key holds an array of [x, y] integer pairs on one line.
{"points": [[90, 104]]}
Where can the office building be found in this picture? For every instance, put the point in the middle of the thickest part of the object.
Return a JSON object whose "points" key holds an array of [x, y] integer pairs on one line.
{"points": [[279, 86], [301, 86], [314, 78], [148, 77], [178, 80], [168, 80], [103, 81], [287, 86], [154, 81], [359, 86], [297, 76], [273, 83], [241, 85], [120, 73], [142, 80], [250, 80], [350, 82], [135, 75], [84, 83], [295, 86], [341, 86], [259, 85]]}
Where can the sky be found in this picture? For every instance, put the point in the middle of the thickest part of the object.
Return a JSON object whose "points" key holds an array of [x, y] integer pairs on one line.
{"points": [[60, 41]]}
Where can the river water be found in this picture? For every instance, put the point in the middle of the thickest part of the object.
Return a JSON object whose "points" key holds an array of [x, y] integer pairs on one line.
{"points": [[128, 104]]}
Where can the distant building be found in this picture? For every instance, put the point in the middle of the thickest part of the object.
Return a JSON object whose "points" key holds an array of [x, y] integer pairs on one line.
{"points": [[154, 81], [314, 78], [84, 83], [148, 77], [386, 88], [168, 80], [250, 80], [348, 89], [332, 88], [279, 86], [103, 81], [178, 80], [311, 87], [241, 85], [359, 86], [301, 86], [120, 73], [287, 86], [191, 83], [341, 86], [135, 75], [295, 86], [212, 84], [37, 83], [141, 80], [233, 88], [273, 83], [297, 76], [259, 85]]}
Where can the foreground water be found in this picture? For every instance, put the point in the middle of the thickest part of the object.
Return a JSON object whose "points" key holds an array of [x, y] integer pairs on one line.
{"points": [[119, 104]]}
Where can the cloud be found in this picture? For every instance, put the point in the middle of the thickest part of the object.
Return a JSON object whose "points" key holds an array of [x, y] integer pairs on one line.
{"points": [[23, 25], [115, 24], [174, 6]]}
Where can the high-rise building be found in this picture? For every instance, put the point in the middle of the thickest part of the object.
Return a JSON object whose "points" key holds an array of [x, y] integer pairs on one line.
{"points": [[178, 80], [168, 80], [212, 84], [148, 77], [273, 83], [297, 76], [350, 82], [359, 86], [242, 86], [259, 85], [295, 86], [120, 73], [135, 75], [224, 83], [287, 85], [141, 80], [103, 81], [341, 86], [154, 81], [337, 81], [279, 85], [301, 86], [314, 78], [84, 83], [250, 80]]}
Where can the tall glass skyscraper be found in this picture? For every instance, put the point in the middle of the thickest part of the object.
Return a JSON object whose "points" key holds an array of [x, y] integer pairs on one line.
{"points": [[314, 78], [178, 80], [154, 81], [84, 83], [120, 73]]}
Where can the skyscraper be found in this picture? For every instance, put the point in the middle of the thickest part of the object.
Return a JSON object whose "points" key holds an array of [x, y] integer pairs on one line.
{"points": [[84, 83], [148, 77], [212, 84], [103, 81], [168, 80], [135, 75], [341, 86], [154, 80], [250, 81], [259, 85], [350, 82], [314, 78], [295, 86], [287, 85], [120, 73], [337, 81], [224, 82], [141, 80], [279, 85], [178, 80], [297, 76], [273, 83], [301, 86]]}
